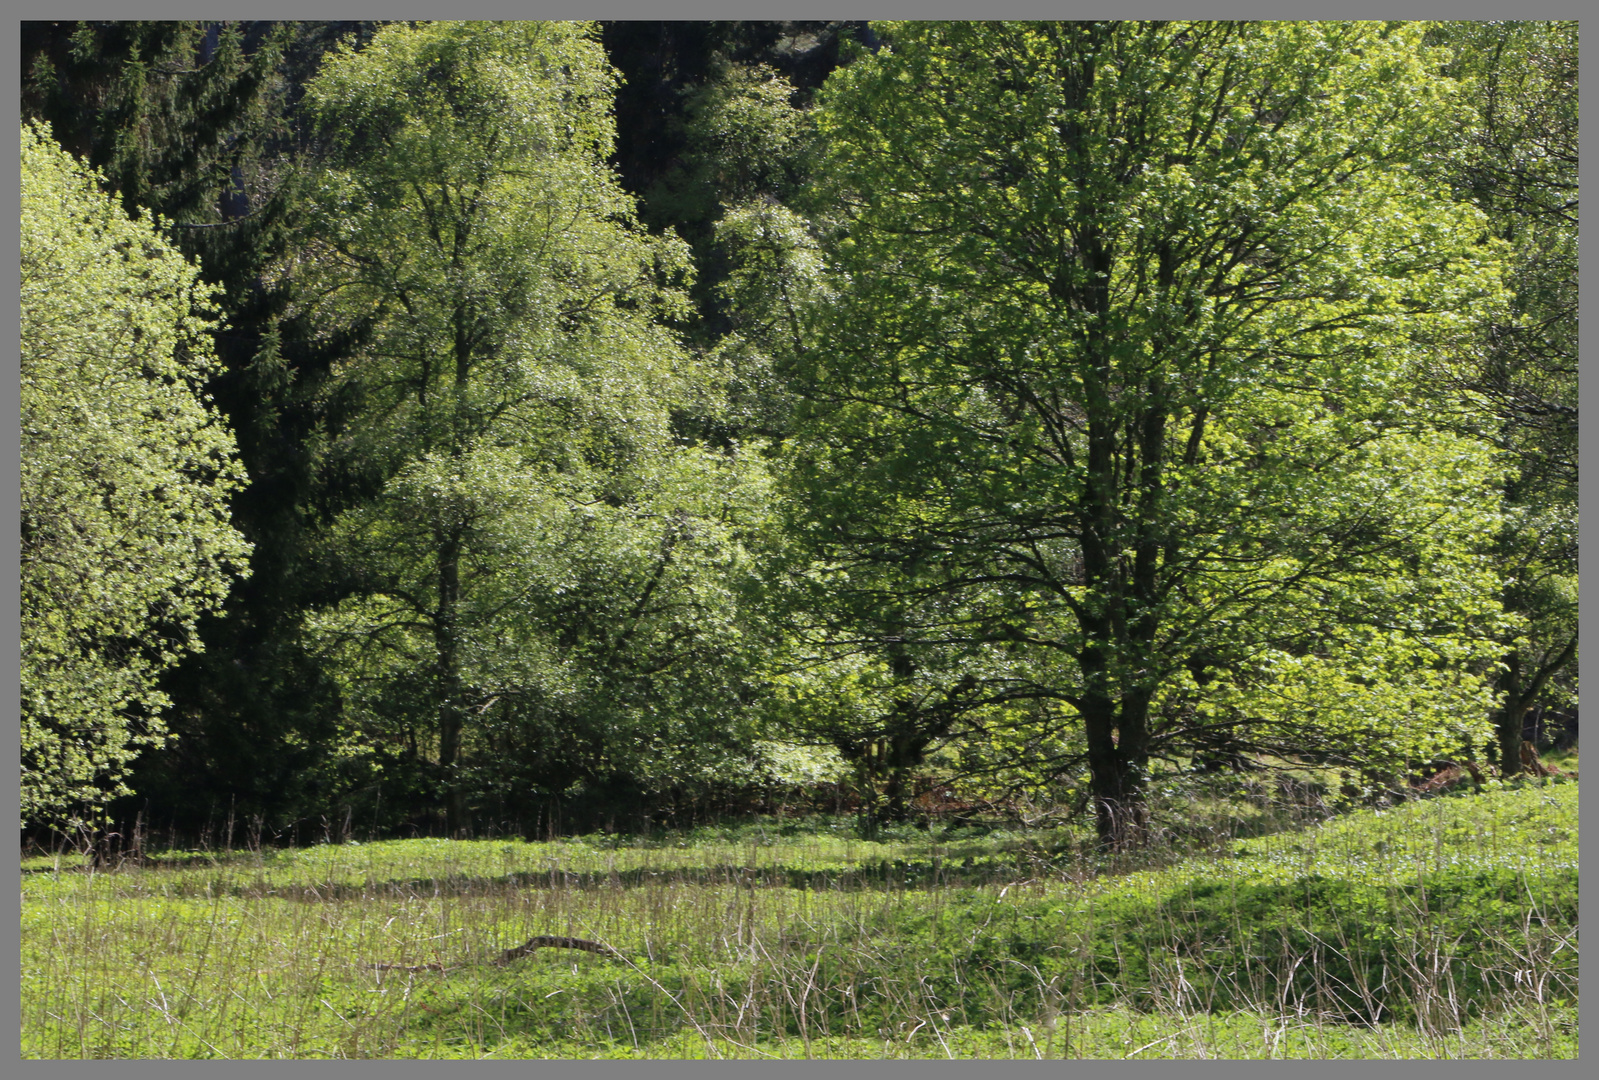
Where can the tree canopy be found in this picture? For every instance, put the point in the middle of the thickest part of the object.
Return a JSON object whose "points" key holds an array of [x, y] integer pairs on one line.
{"points": [[636, 417], [126, 473], [1517, 161], [537, 547], [1130, 360]]}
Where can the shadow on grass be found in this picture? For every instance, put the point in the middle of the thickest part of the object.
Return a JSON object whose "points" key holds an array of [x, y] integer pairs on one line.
{"points": [[885, 874], [1320, 949]]}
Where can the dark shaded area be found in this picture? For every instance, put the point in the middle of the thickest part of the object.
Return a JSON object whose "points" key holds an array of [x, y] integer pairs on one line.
{"points": [[885, 874], [665, 68], [662, 62], [1549, 728], [195, 121]]}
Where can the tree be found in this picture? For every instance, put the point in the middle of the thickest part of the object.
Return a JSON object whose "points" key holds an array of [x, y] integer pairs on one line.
{"points": [[530, 529], [701, 111], [194, 123], [711, 123], [1128, 354], [126, 471], [1517, 161], [159, 106]]}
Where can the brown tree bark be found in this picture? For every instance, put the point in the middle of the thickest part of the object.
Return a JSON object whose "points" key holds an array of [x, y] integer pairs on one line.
{"points": [[448, 676], [1520, 691]]}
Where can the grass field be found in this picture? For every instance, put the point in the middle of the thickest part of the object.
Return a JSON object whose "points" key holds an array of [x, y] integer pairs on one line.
{"points": [[1442, 928]]}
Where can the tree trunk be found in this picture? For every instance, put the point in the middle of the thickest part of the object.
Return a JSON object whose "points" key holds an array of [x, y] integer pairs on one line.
{"points": [[1116, 761], [905, 751], [446, 644], [1530, 762], [1519, 694], [446, 625], [1507, 722], [1115, 714]]}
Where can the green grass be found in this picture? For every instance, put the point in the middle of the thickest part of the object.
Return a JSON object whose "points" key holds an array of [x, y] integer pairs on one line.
{"points": [[1445, 928]]}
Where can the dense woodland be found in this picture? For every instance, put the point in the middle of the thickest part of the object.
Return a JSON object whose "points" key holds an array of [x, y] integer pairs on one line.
{"points": [[478, 429]]}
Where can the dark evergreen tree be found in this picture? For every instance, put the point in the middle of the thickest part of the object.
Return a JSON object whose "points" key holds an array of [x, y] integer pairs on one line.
{"points": [[194, 122]]}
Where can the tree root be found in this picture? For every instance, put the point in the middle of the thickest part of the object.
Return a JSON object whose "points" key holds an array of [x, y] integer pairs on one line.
{"points": [[1530, 761]]}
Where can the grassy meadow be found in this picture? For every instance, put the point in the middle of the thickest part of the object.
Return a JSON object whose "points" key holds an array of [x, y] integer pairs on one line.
{"points": [[1443, 928]]}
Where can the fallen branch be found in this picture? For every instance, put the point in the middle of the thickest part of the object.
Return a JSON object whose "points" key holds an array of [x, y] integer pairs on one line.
{"points": [[543, 941], [531, 946]]}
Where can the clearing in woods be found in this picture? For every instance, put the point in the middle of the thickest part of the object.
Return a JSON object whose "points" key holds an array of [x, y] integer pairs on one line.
{"points": [[1444, 928]]}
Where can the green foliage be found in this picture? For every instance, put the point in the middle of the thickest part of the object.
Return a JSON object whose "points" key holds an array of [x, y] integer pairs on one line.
{"points": [[713, 116], [743, 140], [1517, 161], [549, 581], [1129, 378], [745, 123], [171, 112], [1062, 409], [126, 470], [193, 124]]}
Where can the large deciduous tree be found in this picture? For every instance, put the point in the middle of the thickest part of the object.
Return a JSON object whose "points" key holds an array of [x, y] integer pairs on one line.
{"points": [[1126, 356], [1517, 161], [126, 471], [533, 542]]}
